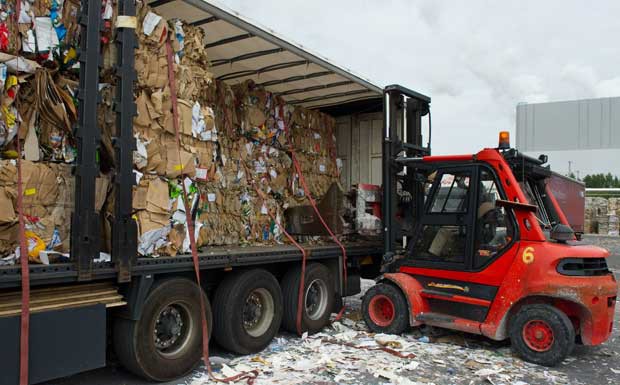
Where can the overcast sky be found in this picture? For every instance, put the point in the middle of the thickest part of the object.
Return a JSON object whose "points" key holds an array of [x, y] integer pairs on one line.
{"points": [[476, 59]]}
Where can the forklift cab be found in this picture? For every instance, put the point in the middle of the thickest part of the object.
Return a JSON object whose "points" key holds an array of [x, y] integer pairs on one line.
{"points": [[465, 247], [460, 226]]}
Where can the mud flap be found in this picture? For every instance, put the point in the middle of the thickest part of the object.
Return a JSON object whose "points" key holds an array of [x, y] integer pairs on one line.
{"points": [[62, 343]]}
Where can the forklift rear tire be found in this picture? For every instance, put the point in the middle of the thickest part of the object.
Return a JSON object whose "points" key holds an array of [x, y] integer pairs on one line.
{"points": [[385, 309], [319, 298], [166, 342], [542, 334], [248, 311]]}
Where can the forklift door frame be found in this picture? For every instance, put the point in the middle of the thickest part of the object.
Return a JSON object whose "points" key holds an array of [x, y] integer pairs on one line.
{"points": [[470, 219]]}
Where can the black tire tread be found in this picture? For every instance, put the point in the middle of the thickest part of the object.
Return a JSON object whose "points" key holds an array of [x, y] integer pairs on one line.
{"points": [[129, 344], [401, 308], [123, 337], [290, 296], [225, 308], [564, 334]]}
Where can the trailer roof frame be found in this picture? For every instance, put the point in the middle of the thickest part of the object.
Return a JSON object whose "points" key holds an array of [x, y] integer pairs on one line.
{"points": [[271, 60]]}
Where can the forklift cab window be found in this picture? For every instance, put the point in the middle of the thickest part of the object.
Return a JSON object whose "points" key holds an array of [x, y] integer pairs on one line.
{"points": [[534, 198], [443, 235], [494, 230], [452, 194]]}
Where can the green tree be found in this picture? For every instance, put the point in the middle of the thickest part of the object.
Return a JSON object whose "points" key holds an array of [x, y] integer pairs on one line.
{"points": [[601, 181]]}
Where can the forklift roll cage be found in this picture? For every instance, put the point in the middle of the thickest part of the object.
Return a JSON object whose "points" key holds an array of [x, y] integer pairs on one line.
{"points": [[405, 153]]}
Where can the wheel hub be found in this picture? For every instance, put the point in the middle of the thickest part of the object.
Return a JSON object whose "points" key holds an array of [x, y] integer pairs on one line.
{"points": [[538, 335], [252, 311], [168, 327], [316, 299], [258, 312], [381, 310], [312, 299]]}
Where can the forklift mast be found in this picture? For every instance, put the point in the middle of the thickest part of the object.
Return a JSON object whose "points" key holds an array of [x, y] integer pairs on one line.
{"points": [[403, 110]]}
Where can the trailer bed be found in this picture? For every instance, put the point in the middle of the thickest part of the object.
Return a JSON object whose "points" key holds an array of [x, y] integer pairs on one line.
{"points": [[210, 258]]}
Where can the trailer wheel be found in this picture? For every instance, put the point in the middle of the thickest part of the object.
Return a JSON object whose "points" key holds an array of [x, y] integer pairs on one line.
{"points": [[542, 334], [319, 297], [385, 309], [248, 311], [166, 342]]}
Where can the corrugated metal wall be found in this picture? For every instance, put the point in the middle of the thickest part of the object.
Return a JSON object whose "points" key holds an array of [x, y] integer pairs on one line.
{"points": [[572, 125], [359, 146]]}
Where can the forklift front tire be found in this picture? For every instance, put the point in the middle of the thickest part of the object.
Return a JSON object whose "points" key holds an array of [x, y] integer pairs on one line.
{"points": [[542, 334], [385, 309]]}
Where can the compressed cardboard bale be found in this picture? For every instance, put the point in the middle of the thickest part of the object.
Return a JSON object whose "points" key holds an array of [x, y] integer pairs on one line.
{"points": [[152, 67], [152, 29], [7, 211], [153, 213], [232, 140], [260, 114], [48, 202], [157, 197], [599, 206], [179, 162]]}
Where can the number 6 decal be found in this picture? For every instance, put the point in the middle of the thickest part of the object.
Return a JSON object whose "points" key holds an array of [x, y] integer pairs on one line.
{"points": [[528, 255]]}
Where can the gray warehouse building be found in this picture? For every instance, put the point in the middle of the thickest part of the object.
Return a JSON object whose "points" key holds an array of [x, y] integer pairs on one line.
{"points": [[582, 133], [586, 124]]}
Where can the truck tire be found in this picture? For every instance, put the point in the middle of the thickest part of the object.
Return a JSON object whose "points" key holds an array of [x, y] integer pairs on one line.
{"points": [[248, 311], [385, 309], [542, 334], [166, 342], [319, 297]]}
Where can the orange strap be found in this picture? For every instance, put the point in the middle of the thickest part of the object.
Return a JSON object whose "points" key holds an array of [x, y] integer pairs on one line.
{"points": [[248, 376]]}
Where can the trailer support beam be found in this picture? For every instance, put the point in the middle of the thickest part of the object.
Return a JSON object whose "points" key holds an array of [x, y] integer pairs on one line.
{"points": [[85, 225], [124, 230]]}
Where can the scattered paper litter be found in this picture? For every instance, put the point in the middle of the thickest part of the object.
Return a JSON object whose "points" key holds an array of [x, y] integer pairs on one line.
{"points": [[388, 340], [227, 371], [350, 357], [487, 372]]}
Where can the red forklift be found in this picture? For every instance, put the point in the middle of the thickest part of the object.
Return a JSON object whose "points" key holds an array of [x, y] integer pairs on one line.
{"points": [[478, 243]]}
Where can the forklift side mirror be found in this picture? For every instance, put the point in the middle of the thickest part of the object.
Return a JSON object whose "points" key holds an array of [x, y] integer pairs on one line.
{"points": [[562, 233], [516, 205]]}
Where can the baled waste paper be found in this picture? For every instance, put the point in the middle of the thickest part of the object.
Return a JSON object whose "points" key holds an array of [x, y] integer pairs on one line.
{"points": [[235, 141]]}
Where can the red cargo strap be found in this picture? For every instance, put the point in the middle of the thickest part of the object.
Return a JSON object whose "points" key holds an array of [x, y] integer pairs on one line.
{"points": [[302, 180], [23, 255], [23, 260], [380, 348], [248, 376], [304, 256]]}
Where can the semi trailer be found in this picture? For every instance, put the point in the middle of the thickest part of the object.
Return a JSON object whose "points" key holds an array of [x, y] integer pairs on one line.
{"points": [[71, 314]]}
